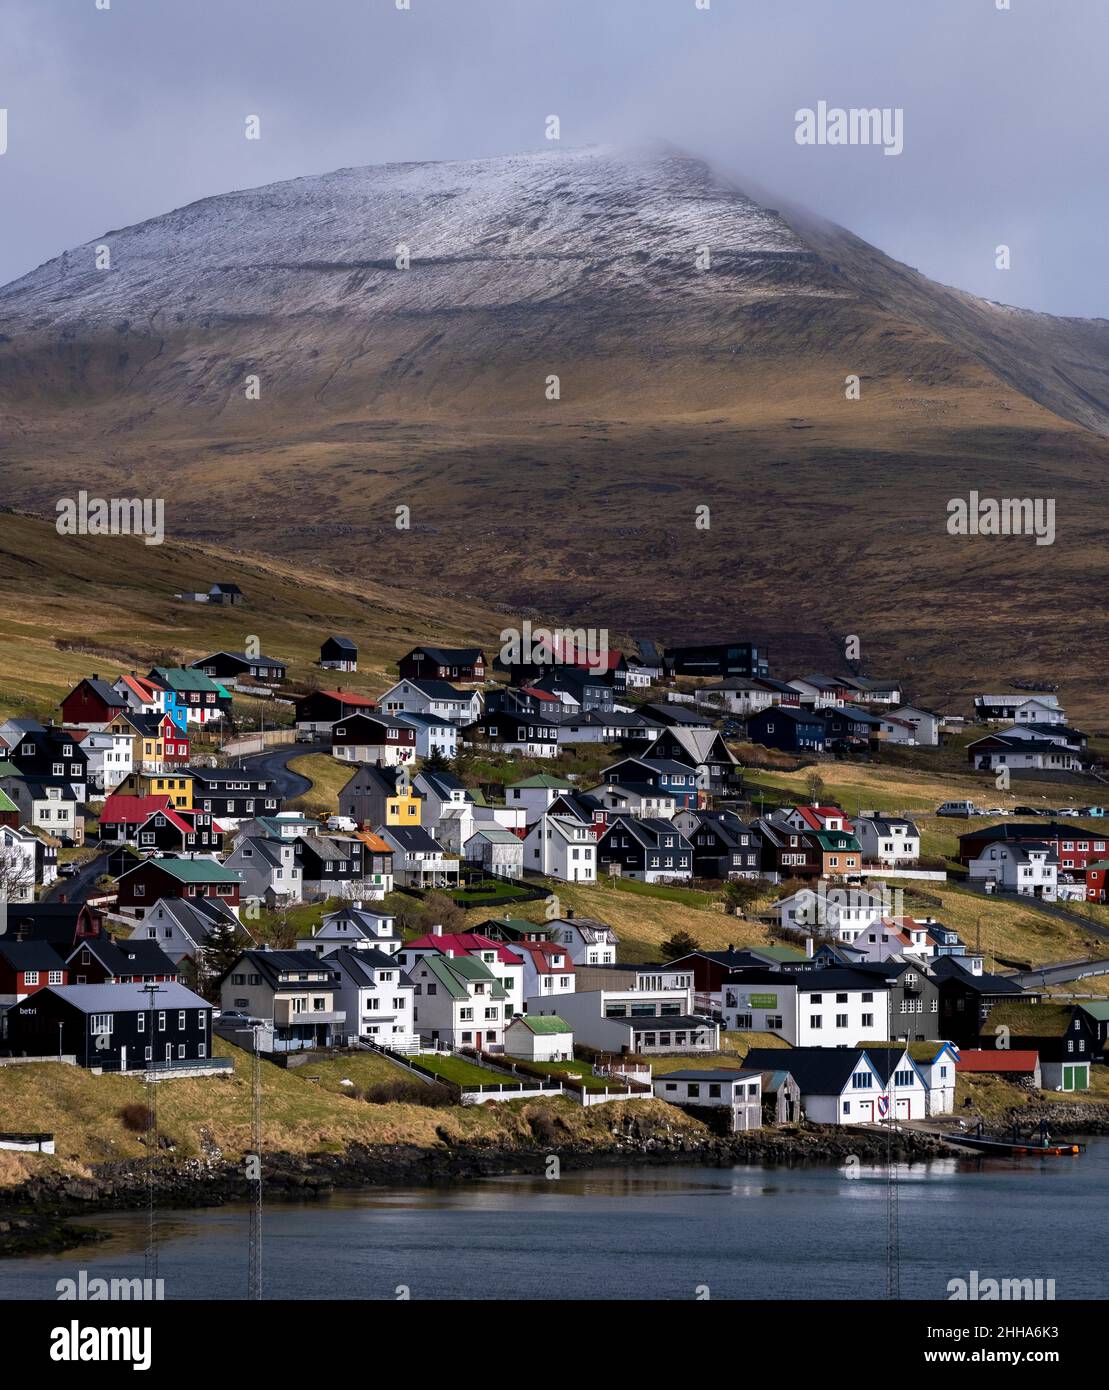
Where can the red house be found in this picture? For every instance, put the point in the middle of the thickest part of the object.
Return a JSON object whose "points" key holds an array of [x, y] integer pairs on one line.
{"points": [[1074, 847], [141, 887], [92, 704], [122, 815], [28, 966]]}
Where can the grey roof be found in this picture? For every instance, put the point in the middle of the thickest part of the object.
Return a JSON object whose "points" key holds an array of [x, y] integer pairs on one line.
{"points": [[359, 965], [436, 689], [126, 998], [343, 642], [665, 1022], [722, 1075], [127, 957]]}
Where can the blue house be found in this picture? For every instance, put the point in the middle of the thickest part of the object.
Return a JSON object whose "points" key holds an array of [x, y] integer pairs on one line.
{"points": [[791, 730], [672, 778]]}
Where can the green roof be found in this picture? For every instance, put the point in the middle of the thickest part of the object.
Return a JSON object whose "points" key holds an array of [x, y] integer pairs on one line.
{"points": [[450, 971], [544, 779], [835, 840], [9, 769], [6, 803], [544, 1023], [780, 952], [194, 870], [178, 678], [1100, 1011], [499, 836], [1031, 1020]]}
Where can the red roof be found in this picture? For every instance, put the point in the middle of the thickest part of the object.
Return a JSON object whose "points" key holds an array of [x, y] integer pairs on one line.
{"points": [[143, 688], [463, 943], [1001, 1059], [347, 697], [174, 817], [120, 809], [539, 694], [540, 950], [817, 815]]}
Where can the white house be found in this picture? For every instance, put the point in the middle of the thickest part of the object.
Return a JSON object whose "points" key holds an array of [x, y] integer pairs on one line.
{"points": [[935, 1061], [459, 1002], [925, 724], [888, 840], [1017, 708], [738, 1091], [839, 912], [637, 800], [561, 848], [433, 734], [1022, 749], [18, 865], [1032, 870], [642, 1021], [358, 928], [419, 861], [736, 696], [587, 941], [496, 852], [109, 758], [505, 961], [548, 970], [376, 996], [432, 697], [535, 794], [535, 1039], [849, 1085], [809, 1008], [441, 791]]}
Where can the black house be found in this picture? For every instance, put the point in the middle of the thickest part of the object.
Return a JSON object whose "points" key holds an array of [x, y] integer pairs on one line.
{"points": [[723, 845], [50, 755], [233, 793], [117, 1027], [339, 654], [718, 659], [229, 666], [967, 999]]}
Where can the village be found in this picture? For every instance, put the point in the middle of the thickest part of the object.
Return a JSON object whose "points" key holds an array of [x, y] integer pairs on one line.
{"points": [[173, 897]]}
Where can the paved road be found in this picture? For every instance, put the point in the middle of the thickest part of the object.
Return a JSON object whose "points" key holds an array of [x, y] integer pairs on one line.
{"points": [[78, 888], [1061, 973], [274, 763]]}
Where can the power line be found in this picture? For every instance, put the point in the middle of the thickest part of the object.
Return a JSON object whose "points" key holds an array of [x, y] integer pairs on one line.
{"points": [[254, 1272]]}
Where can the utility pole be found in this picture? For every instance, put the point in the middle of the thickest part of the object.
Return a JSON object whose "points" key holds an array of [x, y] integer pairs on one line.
{"points": [[150, 1261], [254, 1274]]}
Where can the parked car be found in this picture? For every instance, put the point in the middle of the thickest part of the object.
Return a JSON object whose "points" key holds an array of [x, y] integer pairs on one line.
{"points": [[341, 823], [958, 808], [1093, 811], [1028, 811], [996, 811], [68, 869], [1068, 811]]}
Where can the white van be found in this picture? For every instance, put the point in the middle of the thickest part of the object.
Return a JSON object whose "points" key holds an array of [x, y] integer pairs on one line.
{"points": [[958, 808]]}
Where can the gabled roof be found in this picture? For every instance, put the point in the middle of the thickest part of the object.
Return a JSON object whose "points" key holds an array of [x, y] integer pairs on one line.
{"points": [[126, 957], [345, 697], [414, 839], [543, 780], [817, 1070], [102, 690], [1030, 1020], [188, 870], [121, 810], [344, 642], [451, 656], [30, 955], [462, 943], [457, 973], [434, 689], [542, 1024], [180, 678]]}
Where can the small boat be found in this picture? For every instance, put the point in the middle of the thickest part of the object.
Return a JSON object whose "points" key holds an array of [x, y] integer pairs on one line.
{"points": [[1040, 1143]]}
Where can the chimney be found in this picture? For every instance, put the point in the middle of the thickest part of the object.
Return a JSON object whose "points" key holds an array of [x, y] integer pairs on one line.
{"points": [[437, 930], [569, 914], [358, 904], [809, 946], [449, 953]]}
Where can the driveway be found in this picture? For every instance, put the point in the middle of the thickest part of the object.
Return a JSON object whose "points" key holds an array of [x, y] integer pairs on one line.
{"points": [[274, 763]]}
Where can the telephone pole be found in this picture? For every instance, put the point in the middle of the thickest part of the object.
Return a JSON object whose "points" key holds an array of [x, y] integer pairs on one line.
{"points": [[150, 1259], [254, 1273]]}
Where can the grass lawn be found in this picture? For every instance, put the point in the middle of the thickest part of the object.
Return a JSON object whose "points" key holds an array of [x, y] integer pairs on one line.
{"points": [[328, 777], [475, 897], [459, 1070], [580, 1071], [691, 897], [365, 1069]]}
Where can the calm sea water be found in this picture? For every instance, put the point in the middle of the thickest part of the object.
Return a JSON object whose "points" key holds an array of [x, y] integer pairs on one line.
{"points": [[744, 1232]]}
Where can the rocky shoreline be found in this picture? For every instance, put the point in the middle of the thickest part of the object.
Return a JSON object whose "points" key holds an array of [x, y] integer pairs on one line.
{"points": [[35, 1216]]}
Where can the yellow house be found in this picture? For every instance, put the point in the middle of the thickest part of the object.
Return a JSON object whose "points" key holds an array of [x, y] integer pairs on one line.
{"points": [[404, 807], [178, 786]]}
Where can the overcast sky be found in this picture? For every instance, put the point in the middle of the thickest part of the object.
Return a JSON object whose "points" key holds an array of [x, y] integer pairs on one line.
{"points": [[117, 115]]}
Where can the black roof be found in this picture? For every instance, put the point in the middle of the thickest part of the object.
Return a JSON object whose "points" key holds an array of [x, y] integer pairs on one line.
{"points": [[30, 955], [344, 642], [817, 1070], [127, 957]]}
